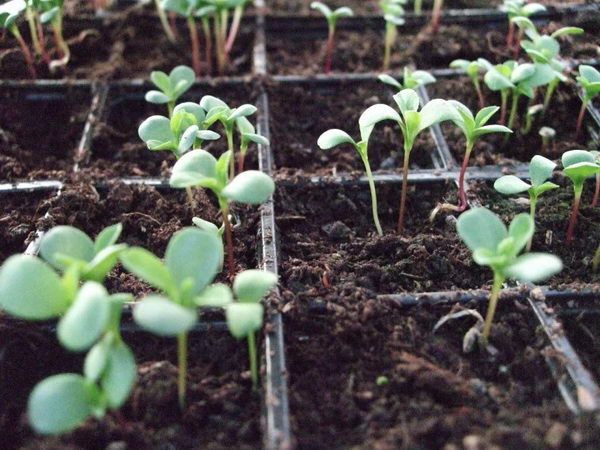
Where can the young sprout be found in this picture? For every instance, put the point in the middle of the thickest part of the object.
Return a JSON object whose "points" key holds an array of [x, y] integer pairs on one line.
{"points": [[393, 13], [335, 137], [496, 246], [9, 13], [411, 79], [547, 134], [596, 155], [332, 18], [88, 318], [170, 87], [247, 135], [532, 111], [473, 70], [436, 14], [540, 170], [244, 316], [53, 12], [578, 165], [199, 168], [411, 122], [472, 127], [514, 9], [187, 9], [589, 82], [32, 15], [191, 262]]}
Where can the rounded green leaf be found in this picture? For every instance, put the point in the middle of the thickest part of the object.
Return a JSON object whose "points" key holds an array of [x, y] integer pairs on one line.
{"points": [[510, 185], [521, 230], [375, 114], [182, 78], [208, 102], [60, 403], [250, 187], [576, 156], [148, 267], [322, 8], [161, 80], [244, 318], [107, 237], [256, 138], [68, 241], [193, 169], [156, 97], [119, 376], [407, 100], [215, 296], [156, 129], [191, 108], [250, 286], [86, 319], [435, 111], [162, 317], [481, 228], [533, 267], [343, 11], [242, 111], [96, 360], [540, 169], [387, 79], [187, 139], [334, 137], [30, 289]]}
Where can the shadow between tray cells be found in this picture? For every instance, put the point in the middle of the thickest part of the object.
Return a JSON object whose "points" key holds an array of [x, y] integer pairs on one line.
{"points": [[329, 242]]}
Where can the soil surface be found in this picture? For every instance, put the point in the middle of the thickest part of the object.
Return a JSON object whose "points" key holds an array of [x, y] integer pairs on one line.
{"points": [[328, 243], [222, 410], [40, 130], [552, 216], [361, 51], [519, 147], [123, 46], [319, 107], [118, 151], [433, 395]]}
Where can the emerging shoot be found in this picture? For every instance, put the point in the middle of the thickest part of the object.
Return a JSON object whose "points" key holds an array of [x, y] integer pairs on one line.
{"points": [[589, 82], [393, 14], [170, 87], [473, 70], [547, 134], [332, 18], [411, 79]]}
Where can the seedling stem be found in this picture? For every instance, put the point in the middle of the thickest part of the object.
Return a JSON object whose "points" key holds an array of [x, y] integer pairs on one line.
{"points": [[195, 46], [491, 310], [580, 117], [390, 37], [25, 50], [228, 238], [207, 43], [435, 15], [164, 22], [574, 213], [253, 359], [31, 22], [182, 368], [407, 150]]}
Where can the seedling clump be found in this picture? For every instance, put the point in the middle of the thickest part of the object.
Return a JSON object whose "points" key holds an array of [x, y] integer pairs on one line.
{"points": [[9, 14], [411, 79], [496, 246], [332, 17]]}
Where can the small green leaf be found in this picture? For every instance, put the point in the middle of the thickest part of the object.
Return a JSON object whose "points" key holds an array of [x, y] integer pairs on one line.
{"points": [[215, 296], [162, 317], [540, 169], [208, 102], [156, 130], [387, 79], [242, 111], [148, 267], [156, 97], [533, 267], [205, 225], [407, 100], [510, 185], [195, 168], [182, 78], [435, 111], [375, 114], [97, 359], [250, 286], [161, 80], [547, 186], [333, 138], [67, 241], [250, 187], [322, 8], [485, 114], [119, 376], [481, 228], [107, 237], [256, 138], [244, 318], [187, 139], [103, 262], [521, 230]]}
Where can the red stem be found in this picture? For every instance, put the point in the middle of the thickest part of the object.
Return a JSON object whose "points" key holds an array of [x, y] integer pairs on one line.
{"points": [[573, 219], [173, 24], [403, 194], [228, 242], [196, 64], [329, 54], [480, 96], [580, 119], [517, 45], [42, 39], [435, 15], [462, 196], [511, 34], [26, 54], [241, 158], [597, 191]]}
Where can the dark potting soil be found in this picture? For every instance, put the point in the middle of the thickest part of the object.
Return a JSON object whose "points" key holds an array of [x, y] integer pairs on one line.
{"points": [[118, 151], [552, 217], [40, 131], [149, 218], [121, 47], [222, 410], [519, 147], [433, 395], [17, 220], [300, 113], [329, 242]]}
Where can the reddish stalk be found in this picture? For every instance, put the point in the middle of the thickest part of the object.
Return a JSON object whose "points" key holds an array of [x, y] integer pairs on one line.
{"points": [[462, 196], [435, 15], [173, 25], [42, 39], [240, 163], [504, 101], [403, 194], [596, 192], [26, 52], [329, 52], [580, 119], [196, 64], [573, 219], [207, 44], [228, 242], [517, 45], [511, 34], [479, 94], [235, 28]]}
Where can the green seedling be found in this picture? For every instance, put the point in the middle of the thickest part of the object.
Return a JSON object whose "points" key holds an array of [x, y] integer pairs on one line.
{"points": [[165, 22], [332, 18], [247, 135], [204, 14], [589, 83], [547, 134], [411, 79], [335, 137], [187, 9], [192, 260], [540, 170], [532, 111], [473, 70], [514, 9], [393, 14], [244, 315], [33, 8], [198, 168], [170, 87], [596, 155], [473, 127], [496, 246], [52, 12], [9, 14], [411, 122], [578, 166]]}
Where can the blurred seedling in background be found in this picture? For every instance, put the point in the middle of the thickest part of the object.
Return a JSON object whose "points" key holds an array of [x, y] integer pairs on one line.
{"points": [[332, 17], [393, 14], [171, 87], [411, 79], [473, 70]]}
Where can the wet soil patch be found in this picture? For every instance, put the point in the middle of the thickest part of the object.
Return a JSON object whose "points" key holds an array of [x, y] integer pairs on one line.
{"points": [[433, 395], [40, 131], [328, 242], [300, 113], [519, 147], [552, 216]]}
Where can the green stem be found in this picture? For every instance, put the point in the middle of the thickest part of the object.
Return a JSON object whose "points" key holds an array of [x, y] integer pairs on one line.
{"points": [[390, 37], [229, 134], [418, 6], [479, 92], [513, 110], [462, 196], [64, 51], [33, 29], [491, 310], [171, 107], [207, 44], [407, 150], [532, 206], [596, 260], [164, 22], [549, 92], [182, 364], [253, 360], [373, 195]]}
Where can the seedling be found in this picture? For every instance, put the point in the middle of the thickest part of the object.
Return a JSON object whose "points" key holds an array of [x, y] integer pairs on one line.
{"points": [[473, 70], [332, 18], [245, 315], [578, 165], [199, 168], [589, 82], [248, 135], [170, 87], [496, 246], [53, 12], [411, 79], [9, 14], [514, 9], [540, 170], [597, 190], [335, 137], [532, 111], [393, 13], [411, 122], [187, 9], [472, 127], [191, 262], [547, 134]]}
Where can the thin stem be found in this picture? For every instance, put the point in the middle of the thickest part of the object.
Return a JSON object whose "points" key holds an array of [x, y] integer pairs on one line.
{"points": [[228, 239], [182, 365], [580, 118], [436, 14], [329, 51], [596, 260], [462, 196], [164, 22], [25, 50], [235, 27], [503, 102], [407, 150], [61, 44], [253, 360], [196, 64], [42, 38], [532, 206], [171, 107], [517, 45], [511, 34], [418, 6], [390, 37], [373, 196], [223, 40], [229, 134], [479, 92], [240, 161], [513, 110], [549, 92], [596, 192], [220, 44], [190, 197], [207, 44], [491, 310], [33, 29], [574, 213]]}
